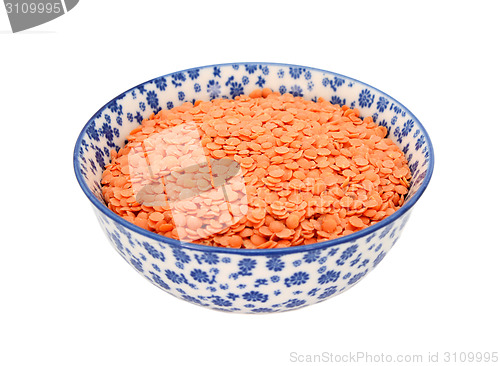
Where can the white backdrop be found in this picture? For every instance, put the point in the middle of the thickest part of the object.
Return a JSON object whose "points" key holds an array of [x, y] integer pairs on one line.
{"points": [[67, 298]]}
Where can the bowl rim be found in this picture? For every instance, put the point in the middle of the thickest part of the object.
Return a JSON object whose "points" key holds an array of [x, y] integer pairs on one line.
{"points": [[243, 251]]}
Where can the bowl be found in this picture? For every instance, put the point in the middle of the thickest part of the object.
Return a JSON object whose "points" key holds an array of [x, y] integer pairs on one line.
{"points": [[249, 280]]}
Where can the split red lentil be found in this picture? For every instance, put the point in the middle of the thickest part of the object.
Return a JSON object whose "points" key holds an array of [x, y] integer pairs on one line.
{"points": [[312, 171]]}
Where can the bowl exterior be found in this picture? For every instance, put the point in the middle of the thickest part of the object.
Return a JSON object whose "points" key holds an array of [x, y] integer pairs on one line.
{"points": [[249, 280], [246, 283]]}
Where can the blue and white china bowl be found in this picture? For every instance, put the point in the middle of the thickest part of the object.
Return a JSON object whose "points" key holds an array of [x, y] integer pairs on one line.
{"points": [[244, 280]]}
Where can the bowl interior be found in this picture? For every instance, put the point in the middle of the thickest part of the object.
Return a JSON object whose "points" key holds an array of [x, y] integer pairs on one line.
{"points": [[109, 127]]}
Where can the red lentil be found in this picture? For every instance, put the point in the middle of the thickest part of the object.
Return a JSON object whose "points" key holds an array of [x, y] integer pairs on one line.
{"points": [[311, 171]]}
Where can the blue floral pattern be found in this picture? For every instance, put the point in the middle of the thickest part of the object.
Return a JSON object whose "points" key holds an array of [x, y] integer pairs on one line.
{"points": [[235, 89], [296, 91], [275, 264], [243, 280], [365, 98], [298, 278]]}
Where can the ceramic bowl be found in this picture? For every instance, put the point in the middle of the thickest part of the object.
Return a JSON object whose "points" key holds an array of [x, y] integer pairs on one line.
{"points": [[244, 280]]}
